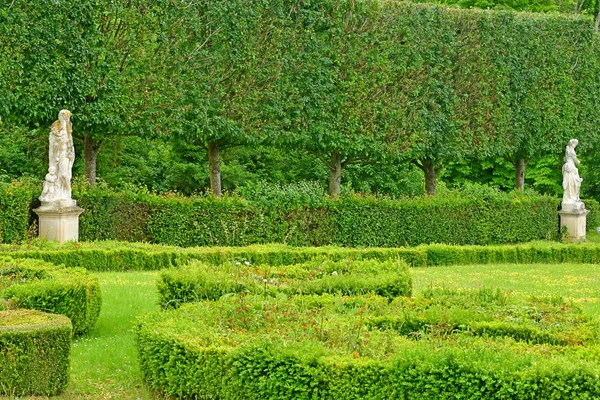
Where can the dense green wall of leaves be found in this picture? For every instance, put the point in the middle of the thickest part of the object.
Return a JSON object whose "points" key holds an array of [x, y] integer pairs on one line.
{"points": [[369, 80], [303, 218]]}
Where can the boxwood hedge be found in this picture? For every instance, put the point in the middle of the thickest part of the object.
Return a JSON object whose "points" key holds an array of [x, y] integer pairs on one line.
{"points": [[35, 284], [120, 256], [390, 278], [353, 220], [332, 347], [35, 350]]}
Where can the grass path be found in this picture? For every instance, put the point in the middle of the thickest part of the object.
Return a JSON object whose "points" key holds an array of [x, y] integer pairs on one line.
{"points": [[104, 364]]}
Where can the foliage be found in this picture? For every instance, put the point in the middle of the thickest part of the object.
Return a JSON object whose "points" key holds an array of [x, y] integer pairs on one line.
{"points": [[95, 58], [35, 350], [331, 347], [15, 209], [302, 215], [367, 82], [321, 275], [33, 284]]}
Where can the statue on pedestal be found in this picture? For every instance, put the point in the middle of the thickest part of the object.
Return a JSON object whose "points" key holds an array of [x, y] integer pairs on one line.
{"points": [[57, 185], [571, 180], [573, 213], [59, 214]]}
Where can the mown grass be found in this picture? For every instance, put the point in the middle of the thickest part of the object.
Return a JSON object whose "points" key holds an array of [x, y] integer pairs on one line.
{"points": [[577, 282], [104, 363]]}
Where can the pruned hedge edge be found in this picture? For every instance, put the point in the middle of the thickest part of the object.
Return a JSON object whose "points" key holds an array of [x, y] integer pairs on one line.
{"points": [[354, 220], [119, 256], [35, 351], [39, 285]]}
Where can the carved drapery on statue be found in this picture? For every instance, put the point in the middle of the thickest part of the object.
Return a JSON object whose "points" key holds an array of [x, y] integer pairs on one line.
{"points": [[57, 185], [573, 220], [571, 180]]}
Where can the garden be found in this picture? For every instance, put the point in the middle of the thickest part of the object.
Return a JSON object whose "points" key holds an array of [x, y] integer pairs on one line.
{"points": [[294, 199], [308, 322]]}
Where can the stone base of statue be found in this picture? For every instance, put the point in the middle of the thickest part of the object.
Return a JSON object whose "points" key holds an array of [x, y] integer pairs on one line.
{"points": [[573, 216], [59, 220]]}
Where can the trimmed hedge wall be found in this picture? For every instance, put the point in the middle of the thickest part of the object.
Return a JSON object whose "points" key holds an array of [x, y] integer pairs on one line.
{"points": [[34, 284], [116, 256], [351, 221], [324, 347], [35, 351], [15, 208], [197, 282]]}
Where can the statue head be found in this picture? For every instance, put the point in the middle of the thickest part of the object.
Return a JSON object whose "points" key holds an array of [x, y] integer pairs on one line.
{"points": [[573, 143], [64, 115]]}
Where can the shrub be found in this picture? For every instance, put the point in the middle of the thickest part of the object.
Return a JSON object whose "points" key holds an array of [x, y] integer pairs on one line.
{"points": [[33, 284], [294, 216], [35, 349], [348, 277], [332, 347], [15, 209]]}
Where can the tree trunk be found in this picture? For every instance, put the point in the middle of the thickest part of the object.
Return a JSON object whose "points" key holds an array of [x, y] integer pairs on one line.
{"points": [[430, 177], [91, 148], [335, 174], [214, 167], [597, 23], [520, 174]]}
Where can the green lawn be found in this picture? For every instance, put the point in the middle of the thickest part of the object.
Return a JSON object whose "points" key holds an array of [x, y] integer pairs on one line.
{"points": [[104, 364], [578, 282]]}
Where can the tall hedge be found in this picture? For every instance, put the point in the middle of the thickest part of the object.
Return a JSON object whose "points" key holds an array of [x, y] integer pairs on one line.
{"points": [[15, 203], [353, 221], [481, 217]]}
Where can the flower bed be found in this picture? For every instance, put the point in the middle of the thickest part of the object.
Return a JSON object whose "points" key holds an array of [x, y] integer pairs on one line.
{"points": [[445, 344], [199, 281]]}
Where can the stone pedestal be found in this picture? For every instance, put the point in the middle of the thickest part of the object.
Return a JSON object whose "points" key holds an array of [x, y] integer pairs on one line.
{"points": [[573, 216], [59, 220]]}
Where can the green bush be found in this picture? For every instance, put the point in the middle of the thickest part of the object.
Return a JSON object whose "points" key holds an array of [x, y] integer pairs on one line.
{"points": [[198, 281], [33, 284], [332, 347], [15, 209], [297, 219], [35, 350], [593, 218]]}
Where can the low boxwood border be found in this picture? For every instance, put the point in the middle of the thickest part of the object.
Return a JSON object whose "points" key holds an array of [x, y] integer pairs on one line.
{"points": [[35, 350], [121, 256], [39, 285], [183, 356]]}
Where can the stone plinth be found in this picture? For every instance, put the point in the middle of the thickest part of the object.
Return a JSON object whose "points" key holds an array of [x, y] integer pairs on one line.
{"points": [[573, 216], [59, 220]]}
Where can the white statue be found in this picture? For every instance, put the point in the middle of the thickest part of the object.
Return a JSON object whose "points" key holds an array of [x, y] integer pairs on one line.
{"points": [[57, 185], [571, 180]]}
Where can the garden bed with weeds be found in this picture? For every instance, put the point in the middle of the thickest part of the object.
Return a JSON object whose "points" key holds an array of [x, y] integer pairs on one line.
{"points": [[442, 344], [199, 281]]}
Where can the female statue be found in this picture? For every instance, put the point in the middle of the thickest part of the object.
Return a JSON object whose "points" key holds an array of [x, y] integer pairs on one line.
{"points": [[571, 180], [57, 185]]}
